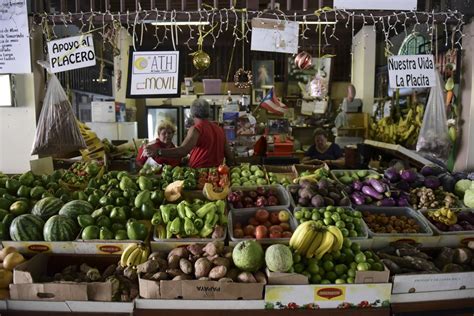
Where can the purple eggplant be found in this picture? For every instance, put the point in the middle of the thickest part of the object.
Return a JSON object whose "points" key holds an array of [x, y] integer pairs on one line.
{"points": [[403, 185], [432, 182], [370, 191], [357, 185], [426, 171], [391, 174], [378, 186], [357, 198], [466, 216], [447, 181], [408, 175], [403, 202], [387, 202], [455, 228]]}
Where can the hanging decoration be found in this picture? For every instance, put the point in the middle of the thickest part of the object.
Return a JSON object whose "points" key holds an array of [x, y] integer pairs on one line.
{"points": [[303, 60], [243, 78], [201, 60]]}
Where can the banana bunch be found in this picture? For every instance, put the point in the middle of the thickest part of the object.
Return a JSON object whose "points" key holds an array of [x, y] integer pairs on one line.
{"points": [[444, 215], [313, 240], [134, 255], [404, 131]]}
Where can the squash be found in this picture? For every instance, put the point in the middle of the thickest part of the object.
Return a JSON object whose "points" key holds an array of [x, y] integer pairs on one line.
{"points": [[212, 195], [173, 191], [5, 251], [6, 277], [12, 260]]}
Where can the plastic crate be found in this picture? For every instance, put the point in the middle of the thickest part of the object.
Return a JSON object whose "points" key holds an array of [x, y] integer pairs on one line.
{"points": [[281, 194], [168, 244], [294, 204], [335, 174]]}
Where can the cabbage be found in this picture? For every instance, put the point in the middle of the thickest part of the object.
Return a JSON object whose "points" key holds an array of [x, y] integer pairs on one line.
{"points": [[469, 198], [461, 187]]}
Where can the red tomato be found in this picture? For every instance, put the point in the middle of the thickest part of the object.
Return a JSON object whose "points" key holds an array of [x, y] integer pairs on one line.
{"points": [[286, 234], [267, 224], [276, 228], [261, 232], [274, 218], [262, 215], [249, 230], [275, 234], [237, 225], [223, 169], [285, 226], [253, 221], [238, 233]]}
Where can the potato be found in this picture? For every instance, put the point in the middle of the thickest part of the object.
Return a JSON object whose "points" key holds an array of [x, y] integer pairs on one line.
{"points": [[6, 251], [217, 272], [173, 262], [150, 266], [110, 270], [260, 277], [232, 274], [228, 280], [186, 266], [218, 232], [182, 277], [162, 263], [202, 267], [160, 276], [193, 258], [204, 279], [195, 249], [174, 272], [157, 254], [214, 248], [181, 252], [130, 273], [212, 258], [228, 255], [222, 262], [246, 277]]}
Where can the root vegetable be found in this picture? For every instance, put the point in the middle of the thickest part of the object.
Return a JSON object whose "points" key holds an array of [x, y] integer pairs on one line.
{"points": [[181, 252], [232, 274], [109, 271], [204, 279], [222, 262], [157, 254], [160, 276], [246, 277], [217, 272], [212, 258], [151, 266], [182, 277], [260, 277], [186, 266], [92, 274], [6, 251], [228, 280], [462, 256], [195, 249], [173, 262], [218, 232], [174, 272], [214, 248], [202, 267], [130, 273]]}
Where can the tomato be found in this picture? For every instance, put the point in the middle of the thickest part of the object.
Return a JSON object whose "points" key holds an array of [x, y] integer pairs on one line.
{"points": [[238, 233], [286, 234], [249, 230], [275, 234], [267, 224], [261, 232], [274, 218], [223, 169], [285, 226], [276, 228], [253, 221], [262, 215]]}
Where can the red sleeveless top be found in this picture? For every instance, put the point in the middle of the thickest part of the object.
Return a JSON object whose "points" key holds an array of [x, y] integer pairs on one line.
{"points": [[209, 150], [161, 160]]}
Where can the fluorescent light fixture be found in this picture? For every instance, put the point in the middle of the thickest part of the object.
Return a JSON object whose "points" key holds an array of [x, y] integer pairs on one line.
{"points": [[164, 23], [316, 22]]}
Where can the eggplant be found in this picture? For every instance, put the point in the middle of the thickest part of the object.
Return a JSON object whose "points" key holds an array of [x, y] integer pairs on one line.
{"points": [[345, 201], [408, 175], [317, 201], [403, 185], [357, 185], [303, 201], [426, 171], [447, 181], [387, 202], [466, 216], [432, 182], [419, 182], [459, 176], [323, 184], [357, 198], [328, 201], [370, 191], [455, 228], [403, 202], [391, 174], [378, 186]]}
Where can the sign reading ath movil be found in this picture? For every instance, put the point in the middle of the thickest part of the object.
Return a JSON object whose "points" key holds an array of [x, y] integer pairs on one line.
{"points": [[154, 73], [71, 53], [411, 71]]}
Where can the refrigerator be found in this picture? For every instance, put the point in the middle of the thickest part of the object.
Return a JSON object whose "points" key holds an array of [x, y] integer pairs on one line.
{"points": [[156, 114]]}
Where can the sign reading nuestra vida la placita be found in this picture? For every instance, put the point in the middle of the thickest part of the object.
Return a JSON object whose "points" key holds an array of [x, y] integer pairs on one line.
{"points": [[154, 74], [71, 53], [411, 71]]}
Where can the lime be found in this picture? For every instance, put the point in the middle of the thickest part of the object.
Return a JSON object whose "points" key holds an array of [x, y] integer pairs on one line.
{"points": [[351, 273], [350, 280], [315, 279], [360, 257], [335, 217], [320, 223], [346, 243], [355, 247], [307, 214], [296, 257], [336, 254], [327, 214], [298, 214], [356, 221], [340, 224], [331, 276], [325, 281], [315, 216], [363, 266], [348, 219], [340, 281], [306, 274], [328, 266], [353, 265], [313, 268], [352, 233], [330, 208], [327, 257], [377, 266], [357, 214], [302, 220], [340, 210], [370, 260], [348, 251], [321, 211], [340, 269], [298, 267], [345, 232], [349, 226], [368, 254], [327, 221]]}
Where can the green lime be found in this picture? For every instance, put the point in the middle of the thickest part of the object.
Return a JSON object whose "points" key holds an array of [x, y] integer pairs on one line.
{"points": [[348, 251], [328, 266], [315, 216], [330, 208], [356, 221], [335, 217], [352, 233], [363, 266], [315, 279], [327, 221], [340, 210], [306, 274], [321, 211], [350, 226], [331, 276], [348, 219], [340, 281], [357, 214], [340, 269], [377, 266], [351, 273], [355, 247], [360, 257], [299, 267], [353, 265], [350, 280], [296, 258], [327, 257], [313, 268], [368, 254], [340, 224], [325, 281], [307, 214], [336, 254], [327, 214], [345, 232], [370, 260], [346, 242], [298, 214]]}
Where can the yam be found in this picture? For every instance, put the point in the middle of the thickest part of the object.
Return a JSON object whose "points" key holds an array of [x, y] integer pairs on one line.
{"points": [[173, 262], [130, 273], [195, 249], [204, 279], [6, 251], [150, 266], [232, 274], [219, 261], [217, 272], [246, 277], [260, 277], [214, 248], [6, 277], [12, 260], [109, 271], [160, 276], [181, 252], [202, 267], [157, 254], [227, 280], [186, 266], [462, 256], [174, 272], [182, 277]]}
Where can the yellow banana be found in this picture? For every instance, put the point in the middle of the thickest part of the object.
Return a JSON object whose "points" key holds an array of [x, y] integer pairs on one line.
{"points": [[296, 238], [309, 236], [144, 256], [133, 256], [315, 244], [338, 238], [325, 246], [126, 253]]}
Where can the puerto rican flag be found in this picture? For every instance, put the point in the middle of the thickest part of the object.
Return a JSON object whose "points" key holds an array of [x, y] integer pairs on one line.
{"points": [[272, 104]]}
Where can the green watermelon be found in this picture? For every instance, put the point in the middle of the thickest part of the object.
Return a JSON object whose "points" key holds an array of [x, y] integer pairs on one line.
{"points": [[60, 228], [27, 227], [75, 208], [47, 207]]}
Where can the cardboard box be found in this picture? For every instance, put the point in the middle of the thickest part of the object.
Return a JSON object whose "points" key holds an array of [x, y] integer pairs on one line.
{"points": [[210, 290], [149, 288], [33, 247], [26, 286], [103, 111]]}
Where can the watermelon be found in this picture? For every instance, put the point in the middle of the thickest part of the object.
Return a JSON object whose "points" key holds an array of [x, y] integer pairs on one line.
{"points": [[47, 207], [75, 208], [27, 227], [60, 228]]}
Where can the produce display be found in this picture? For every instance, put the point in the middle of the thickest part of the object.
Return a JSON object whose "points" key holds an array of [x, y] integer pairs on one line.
{"points": [[247, 175], [426, 198], [348, 177], [381, 223], [278, 178], [408, 258], [448, 220], [319, 193], [347, 220], [198, 219], [464, 189], [264, 224], [79, 174], [258, 197], [9, 259]]}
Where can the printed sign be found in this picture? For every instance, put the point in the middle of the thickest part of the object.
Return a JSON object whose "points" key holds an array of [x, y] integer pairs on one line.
{"points": [[270, 35], [71, 53], [411, 71], [376, 4], [14, 38], [154, 74], [329, 293]]}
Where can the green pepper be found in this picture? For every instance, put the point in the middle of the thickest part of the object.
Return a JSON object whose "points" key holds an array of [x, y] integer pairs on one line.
{"points": [[175, 227], [206, 231], [160, 231], [210, 218], [223, 219], [169, 234], [220, 204], [181, 210], [205, 209], [165, 213], [157, 219], [188, 227], [189, 212]]}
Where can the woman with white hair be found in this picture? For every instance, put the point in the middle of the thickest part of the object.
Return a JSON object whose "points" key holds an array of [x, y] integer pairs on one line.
{"points": [[205, 142]]}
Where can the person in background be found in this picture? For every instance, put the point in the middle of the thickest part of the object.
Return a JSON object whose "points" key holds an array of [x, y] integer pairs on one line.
{"points": [[165, 132], [205, 142], [324, 151]]}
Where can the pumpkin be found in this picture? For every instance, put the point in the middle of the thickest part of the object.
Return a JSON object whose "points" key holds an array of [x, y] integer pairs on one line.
{"points": [[173, 191], [12, 260], [212, 195], [6, 277], [5, 251]]}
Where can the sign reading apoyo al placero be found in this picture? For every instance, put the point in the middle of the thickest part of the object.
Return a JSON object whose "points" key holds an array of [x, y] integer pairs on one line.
{"points": [[71, 53], [154, 74], [411, 71]]}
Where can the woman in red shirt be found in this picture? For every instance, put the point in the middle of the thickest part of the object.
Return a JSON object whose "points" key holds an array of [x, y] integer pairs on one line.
{"points": [[205, 142], [165, 132]]}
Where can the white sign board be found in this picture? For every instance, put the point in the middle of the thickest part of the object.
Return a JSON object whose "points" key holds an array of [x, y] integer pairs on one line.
{"points": [[154, 74], [270, 35], [411, 71], [71, 53], [376, 4], [14, 38]]}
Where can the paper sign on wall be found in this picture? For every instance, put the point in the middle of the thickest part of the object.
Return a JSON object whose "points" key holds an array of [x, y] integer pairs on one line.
{"points": [[270, 35], [14, 38], [154, 74], [411, 71], [376, 5], [71, 53]]}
